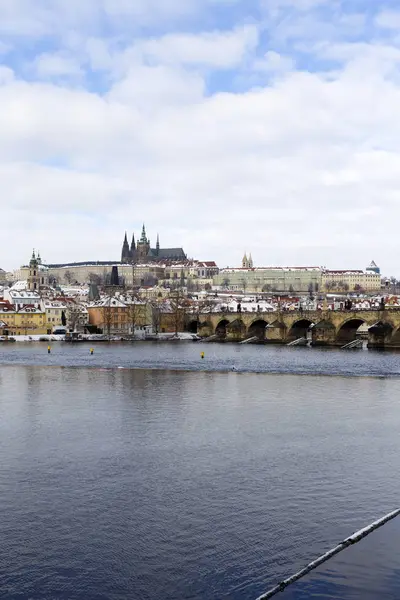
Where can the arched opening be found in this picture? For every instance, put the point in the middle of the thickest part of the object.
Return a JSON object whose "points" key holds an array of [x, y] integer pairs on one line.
{"points": [[257, 329], [220, 329], [299, 330], [349, 331], [193, 326]]}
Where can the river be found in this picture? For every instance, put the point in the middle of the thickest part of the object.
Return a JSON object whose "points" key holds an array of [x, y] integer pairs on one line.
{"points": [[147, 472]]}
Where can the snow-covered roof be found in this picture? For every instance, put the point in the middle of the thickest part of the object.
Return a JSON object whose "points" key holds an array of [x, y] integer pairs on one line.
{"points": [[108, 302], [19, 285], [23, 295], [261, 269]]}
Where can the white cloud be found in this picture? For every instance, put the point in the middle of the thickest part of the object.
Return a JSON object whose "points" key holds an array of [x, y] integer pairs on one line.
{"points": [[6, 75], [216, 49], [36, 18], [273, 62], [389, 19], [56, 65]]}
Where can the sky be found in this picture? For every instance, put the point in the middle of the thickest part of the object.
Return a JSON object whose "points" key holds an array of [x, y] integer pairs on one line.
{"points": [[265, 126]]}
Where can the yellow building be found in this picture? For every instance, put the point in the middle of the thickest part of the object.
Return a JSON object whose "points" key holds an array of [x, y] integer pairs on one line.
{"points": [[26, 321], [351, 281], [54, 310]]}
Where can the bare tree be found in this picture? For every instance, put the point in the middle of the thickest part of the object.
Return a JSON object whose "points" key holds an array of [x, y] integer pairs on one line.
{"points": [[94, 278], [330, 285], [68, 277], [74, 315], [179, 306], [156, 317], [107, 313], [149, 280], [136, 311]]}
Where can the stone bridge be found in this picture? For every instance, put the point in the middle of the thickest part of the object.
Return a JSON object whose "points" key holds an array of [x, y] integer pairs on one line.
{"points": [[327, 328]]}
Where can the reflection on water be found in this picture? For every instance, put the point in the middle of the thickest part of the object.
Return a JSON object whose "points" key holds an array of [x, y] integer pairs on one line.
{"points": [[121, 483]]}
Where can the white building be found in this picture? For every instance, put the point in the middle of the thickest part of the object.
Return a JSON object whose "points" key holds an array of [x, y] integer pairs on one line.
{"points": [[21, 298]]}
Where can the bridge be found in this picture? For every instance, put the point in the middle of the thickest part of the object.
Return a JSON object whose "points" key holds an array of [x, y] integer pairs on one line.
{"points": [[326, 328]]}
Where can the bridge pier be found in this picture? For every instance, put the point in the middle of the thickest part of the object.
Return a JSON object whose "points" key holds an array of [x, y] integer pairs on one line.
{"points": [[323, 334], [276, 333], [380, 336]]}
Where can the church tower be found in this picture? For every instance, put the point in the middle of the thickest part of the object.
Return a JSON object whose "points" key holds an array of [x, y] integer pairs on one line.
{"points": [[158, 246], [143, 246], [125, 254], [34, 277], [247, 263]]}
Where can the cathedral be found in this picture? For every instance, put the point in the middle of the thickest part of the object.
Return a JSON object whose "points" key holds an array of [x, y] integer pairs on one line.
{"points": [[141, 251]]}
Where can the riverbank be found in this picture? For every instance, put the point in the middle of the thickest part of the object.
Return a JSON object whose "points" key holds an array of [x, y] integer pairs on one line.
{"points": [[160, 337]]}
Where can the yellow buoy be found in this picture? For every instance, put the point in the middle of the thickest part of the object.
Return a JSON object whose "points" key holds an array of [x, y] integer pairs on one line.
{"points": [[202, 354], [91, 350], [48, 349]]}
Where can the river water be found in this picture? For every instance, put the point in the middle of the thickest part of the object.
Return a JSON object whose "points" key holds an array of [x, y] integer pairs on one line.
{"points": [[146, 472]]}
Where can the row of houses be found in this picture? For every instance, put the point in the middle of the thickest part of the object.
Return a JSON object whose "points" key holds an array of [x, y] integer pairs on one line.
{"points": [[24, 312]]}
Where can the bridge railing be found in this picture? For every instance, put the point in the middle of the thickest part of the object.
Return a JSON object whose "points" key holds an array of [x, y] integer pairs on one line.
{"points": [[302, 311]]}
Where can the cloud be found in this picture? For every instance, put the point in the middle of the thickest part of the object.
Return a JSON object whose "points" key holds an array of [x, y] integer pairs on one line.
{"points": [[388, 19], [220, 49], [273, 62], [277, 134], [56, 65]]}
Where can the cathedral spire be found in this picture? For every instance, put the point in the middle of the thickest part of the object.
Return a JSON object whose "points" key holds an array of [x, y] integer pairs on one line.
{"points": [[125, 254], [133, 244], [158, 245], [143, 238]]}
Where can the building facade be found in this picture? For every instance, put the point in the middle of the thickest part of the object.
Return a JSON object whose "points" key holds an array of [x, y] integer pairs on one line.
{"points": [[116, 316], [24, 321], [270, 279], [351, 281]]}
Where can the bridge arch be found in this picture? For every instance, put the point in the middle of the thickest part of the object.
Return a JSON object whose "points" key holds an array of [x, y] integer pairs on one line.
{"points": [[221, 328], [299, 329], [193, 326], [257, 329], [347, 331]]}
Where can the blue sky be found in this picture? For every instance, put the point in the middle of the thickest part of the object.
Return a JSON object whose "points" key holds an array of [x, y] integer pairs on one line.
{"points": [[269, 126]]}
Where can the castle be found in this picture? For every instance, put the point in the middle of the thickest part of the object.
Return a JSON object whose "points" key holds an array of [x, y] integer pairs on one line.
{"points": [[141, 251]]}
